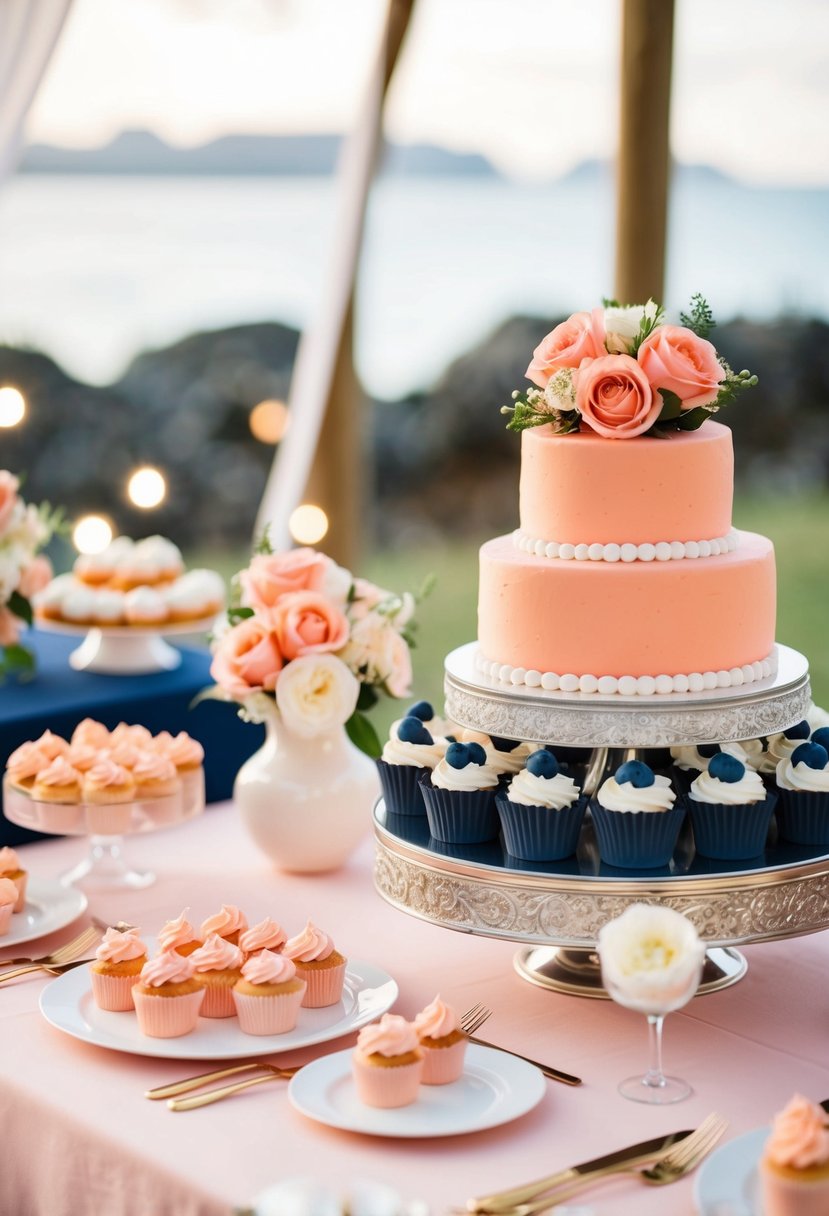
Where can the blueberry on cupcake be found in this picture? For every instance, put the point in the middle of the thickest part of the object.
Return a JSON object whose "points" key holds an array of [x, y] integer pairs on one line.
{"points": [[783, 744], [694, 758], [803, 784], [437, 727], [460, 796], [541, 811], [505, 756], [636, 817], [731, 809], [410, 752]]}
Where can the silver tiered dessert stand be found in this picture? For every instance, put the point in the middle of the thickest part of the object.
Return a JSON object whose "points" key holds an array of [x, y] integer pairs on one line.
{"points": [[556, 909]]}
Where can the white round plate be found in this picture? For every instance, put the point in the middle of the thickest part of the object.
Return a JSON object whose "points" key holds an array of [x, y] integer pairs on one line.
{"points": [[49, 906], [728, 1181], [67, 1004], [495, 1088]]}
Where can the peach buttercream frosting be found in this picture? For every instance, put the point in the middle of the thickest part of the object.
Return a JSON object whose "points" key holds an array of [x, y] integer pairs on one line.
{"points": [[268, 968], [184, 751], [118, 947], [436, 1020], [149, 766], [310, 945], [9, 861], [106, 772], [8, 892], [167, 968], [391, 1036], [82, 756], [267, 935], [229, 920], [90, 733], [52, 745], [177, 932], [217, 955], [122, 751], [26, 761], [799, 1135], [59, 772]]}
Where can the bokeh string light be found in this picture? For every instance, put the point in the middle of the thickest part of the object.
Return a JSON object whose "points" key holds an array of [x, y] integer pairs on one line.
{"points": [[92, 534], [146, 488], [308, 524], [12, 406]]}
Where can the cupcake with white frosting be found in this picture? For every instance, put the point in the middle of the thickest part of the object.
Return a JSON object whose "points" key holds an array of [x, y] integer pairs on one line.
{"points": [[803, 785], [637, 818], [506, 756], [410, 752], [782, 745], [541, 811], [731, 810], [460, 796], [438, 727], [693, 758]]}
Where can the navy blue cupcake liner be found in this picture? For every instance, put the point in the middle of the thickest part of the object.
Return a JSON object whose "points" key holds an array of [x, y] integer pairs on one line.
{"points": [[731, 833], [401, 789], [634, 840], [539, 833], [460, 816], [803, 816]]}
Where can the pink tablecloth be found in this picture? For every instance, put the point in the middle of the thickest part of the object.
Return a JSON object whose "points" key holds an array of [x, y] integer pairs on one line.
{"points": [[77, 1137]]}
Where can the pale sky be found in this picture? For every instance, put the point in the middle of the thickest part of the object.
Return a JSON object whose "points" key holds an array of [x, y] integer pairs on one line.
{"points": [[532, 84]]}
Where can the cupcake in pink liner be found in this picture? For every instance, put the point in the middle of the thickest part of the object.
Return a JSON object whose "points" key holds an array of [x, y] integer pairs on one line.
{"points": [[794, 1165], [179, 935], [109, 792], [267, 935], [268, 995], [443, 1042], [58, 790], [90, 733], [24, 764], [52, 745], [319, 964], [155, 776], [229, 923], [218, 966], [11, 868], [167, 997], [387, 1063], [186, 753], [117, 966], [8, 897]]}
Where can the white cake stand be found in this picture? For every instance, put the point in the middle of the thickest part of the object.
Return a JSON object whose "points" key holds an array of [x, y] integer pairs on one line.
{"points": [[126, 649], [557, 909]]}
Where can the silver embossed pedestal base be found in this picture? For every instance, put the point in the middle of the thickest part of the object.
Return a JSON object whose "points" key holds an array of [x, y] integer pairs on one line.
{"points": [[578, 972]]}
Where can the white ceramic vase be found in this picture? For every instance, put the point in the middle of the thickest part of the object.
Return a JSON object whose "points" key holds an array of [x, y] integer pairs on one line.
{"points": [[306, 802]]}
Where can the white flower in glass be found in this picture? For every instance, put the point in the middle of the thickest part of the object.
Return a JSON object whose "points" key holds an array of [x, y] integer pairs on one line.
{"points": [[316, 693]]}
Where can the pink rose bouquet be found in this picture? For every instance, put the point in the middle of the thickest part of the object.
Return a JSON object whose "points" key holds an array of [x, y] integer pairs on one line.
{"points": [[24, 530], [305, 639], [622, 372]]}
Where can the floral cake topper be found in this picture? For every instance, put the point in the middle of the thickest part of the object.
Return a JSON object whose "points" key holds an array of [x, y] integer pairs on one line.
{"points": [[622, 371]]}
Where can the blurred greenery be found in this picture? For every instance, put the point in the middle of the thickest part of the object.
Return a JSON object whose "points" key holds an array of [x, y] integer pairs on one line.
{"points": [[799, 528]]}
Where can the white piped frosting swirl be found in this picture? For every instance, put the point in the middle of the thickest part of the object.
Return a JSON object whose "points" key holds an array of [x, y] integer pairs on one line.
{"points": [[802, 778], [470, 777], [556, 793], [747, 790], [629, 798]]}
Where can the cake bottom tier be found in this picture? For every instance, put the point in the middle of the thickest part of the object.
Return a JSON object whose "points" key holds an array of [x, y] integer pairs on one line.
{"points": [[639, 619]]}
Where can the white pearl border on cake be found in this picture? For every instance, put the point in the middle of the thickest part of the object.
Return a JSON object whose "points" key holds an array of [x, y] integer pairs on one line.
{"points": [[627, 686], [660, 551]]}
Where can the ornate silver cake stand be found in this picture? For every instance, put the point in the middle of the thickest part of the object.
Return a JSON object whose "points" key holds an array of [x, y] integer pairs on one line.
{"points": [[557, 909]]}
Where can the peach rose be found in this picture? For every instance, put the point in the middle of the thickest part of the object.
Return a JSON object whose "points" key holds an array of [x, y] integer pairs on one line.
{"points": [[35, 576], [579, 337], [271, 575], [8, 497], [308, 623], [247, 659], [9, 628], [614, 397], [675, 359]]}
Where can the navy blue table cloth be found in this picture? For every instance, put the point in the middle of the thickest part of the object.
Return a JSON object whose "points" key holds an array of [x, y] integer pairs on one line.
{"points": [[58, 698]]}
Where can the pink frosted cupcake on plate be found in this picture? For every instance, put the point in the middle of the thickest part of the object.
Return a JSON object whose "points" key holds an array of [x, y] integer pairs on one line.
{"points": [[794, 1166], [11, 868], [167, 997], [218, 967], [268, 995], [117, 966], [267, 935], [8, 897], [442, 1041], [319, 964], [229, 923], [387, 1063], [179, 935]]}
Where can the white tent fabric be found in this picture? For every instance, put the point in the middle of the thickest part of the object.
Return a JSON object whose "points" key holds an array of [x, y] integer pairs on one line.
{"points": [[29, 30]]}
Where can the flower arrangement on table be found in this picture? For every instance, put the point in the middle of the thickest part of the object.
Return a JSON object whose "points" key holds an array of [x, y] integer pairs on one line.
{"points": [[622, 372], [24, 530], [305, 635]]}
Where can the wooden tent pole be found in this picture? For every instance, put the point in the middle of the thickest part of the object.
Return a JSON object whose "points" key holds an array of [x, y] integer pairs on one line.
{"points": [[644, 153]]}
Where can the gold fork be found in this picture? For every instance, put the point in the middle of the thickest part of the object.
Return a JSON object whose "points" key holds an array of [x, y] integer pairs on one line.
{"points": [[121, 925], [64, 954], [474, 1017], [271, 1072]]}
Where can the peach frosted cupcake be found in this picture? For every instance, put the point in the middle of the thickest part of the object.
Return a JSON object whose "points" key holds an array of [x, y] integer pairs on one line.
{"points": [[387, 1063], [179, 935], [218, 966], [268, 994], [154, 776], [59, 785], [8, 898], [117, 966], [167, 997], [90, 733], [319, 964], [11, 868], [82, 756], [133, 733], [442, 1041], [108, 791], [186, 753], [794, 1166], [52, 745], [229, 923], [24, 764], [267, 935]]}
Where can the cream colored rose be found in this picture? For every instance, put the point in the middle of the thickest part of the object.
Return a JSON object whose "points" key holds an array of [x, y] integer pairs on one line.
{"points": [[378, 654], [623, 324], [316, 693], [651, 958]]}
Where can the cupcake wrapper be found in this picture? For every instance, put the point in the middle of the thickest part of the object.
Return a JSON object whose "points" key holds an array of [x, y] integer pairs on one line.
{"points": [[731, 832], [401, 789], [387, 1087], [803, 816], [323, 987], [113, 992], [268, 1014], [443, 1065], [218, 1003], [167, 1017], [5, 918], [635, 840], [537, 833], [461, 816]]}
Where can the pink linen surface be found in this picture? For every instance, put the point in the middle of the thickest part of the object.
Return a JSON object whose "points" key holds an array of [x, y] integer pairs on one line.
{"points": [[79, 1139]]}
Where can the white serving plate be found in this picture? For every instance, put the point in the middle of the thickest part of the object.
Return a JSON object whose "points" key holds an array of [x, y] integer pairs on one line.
{"points": [[49, 906], [729, 1181]]}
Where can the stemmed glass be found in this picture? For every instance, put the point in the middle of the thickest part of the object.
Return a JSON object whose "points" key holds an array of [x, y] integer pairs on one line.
{"points": [[652, 962]]}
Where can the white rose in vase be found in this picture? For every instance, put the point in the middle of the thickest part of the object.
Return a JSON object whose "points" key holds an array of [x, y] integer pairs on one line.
{"points": [[651, 958], [316, 693], [379, 653]]}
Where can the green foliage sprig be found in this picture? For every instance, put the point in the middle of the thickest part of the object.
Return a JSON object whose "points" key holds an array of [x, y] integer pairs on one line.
{"points": [[700, 319]]}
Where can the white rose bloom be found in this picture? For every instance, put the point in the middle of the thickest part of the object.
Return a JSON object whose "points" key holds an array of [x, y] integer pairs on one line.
{"points": [[316, 693], [623, 324], [337, 583], [368, 650], [560, 393], [651, 958], [11, 560]]}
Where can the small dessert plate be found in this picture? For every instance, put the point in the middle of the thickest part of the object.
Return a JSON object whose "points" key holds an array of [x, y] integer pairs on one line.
{"points": [[49, 906], [729, 1180], [495, 1088]]}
